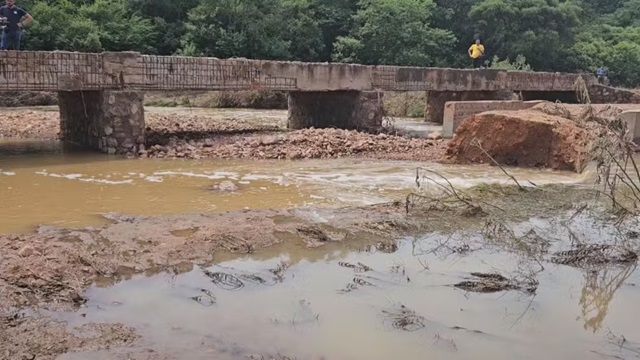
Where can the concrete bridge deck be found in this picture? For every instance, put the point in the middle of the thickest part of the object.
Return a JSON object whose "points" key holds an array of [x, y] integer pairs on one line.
{"points": [[72, 71], [101, 95]]}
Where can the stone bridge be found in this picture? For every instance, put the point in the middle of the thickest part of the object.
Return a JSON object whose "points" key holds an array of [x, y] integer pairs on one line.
{"points": [[101, 95]]}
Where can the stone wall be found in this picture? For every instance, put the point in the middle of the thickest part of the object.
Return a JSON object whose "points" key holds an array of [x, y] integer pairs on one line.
{"points": [[339, 109], [600, 94], [110, 121], [457, 111]]}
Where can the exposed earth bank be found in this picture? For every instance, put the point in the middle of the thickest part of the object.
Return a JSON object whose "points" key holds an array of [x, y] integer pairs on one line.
{"points": [[549, 135], [525, 138]]}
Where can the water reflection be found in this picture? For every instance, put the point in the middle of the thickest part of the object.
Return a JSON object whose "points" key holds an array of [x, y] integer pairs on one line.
{"points": [[599, 290], [305, 312], [28, 148]]}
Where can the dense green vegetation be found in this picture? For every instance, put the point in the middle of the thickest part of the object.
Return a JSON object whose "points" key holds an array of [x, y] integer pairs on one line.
{"points": [[552, 35]]}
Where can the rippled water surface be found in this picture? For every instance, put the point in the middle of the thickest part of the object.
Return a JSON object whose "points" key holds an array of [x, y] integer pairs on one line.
{"points": [[44, 183]]}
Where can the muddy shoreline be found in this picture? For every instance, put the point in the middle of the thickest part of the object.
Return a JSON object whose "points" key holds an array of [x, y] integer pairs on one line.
{"points": [[49, 270]]}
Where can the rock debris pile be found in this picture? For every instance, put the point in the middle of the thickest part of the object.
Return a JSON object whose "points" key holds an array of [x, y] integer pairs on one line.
{"points": [[304, 144]]}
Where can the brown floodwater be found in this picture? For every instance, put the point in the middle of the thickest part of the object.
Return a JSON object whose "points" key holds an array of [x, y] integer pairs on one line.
{"points": [[320, 308], [45, 183], [401, 305]]}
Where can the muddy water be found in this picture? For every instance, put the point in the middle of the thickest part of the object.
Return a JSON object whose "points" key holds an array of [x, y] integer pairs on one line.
{"points": [[44, 183], [322, 307], [323, 304]]}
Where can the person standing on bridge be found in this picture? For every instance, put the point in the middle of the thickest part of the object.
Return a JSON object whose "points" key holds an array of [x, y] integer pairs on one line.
{"points": [[13, 23], [476, 52]]}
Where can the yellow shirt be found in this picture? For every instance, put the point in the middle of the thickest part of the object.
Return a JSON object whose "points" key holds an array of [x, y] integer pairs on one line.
{"points": [[476, 50]]}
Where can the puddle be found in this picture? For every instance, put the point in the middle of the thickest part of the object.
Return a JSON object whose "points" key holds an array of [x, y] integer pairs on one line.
{"points": [[352, 301]]}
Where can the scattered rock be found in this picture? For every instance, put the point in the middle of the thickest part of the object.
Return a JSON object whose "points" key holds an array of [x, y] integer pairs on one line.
{"points": [[227, 186], [127, 144], [436, 135], [311, 144], [26, 251]]}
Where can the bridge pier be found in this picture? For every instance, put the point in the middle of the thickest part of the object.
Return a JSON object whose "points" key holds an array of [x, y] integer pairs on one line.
{"points": [[107, 120], [434, 109], [339, 109]]}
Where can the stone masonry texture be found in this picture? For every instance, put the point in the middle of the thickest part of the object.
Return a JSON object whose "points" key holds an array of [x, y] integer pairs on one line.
{"points": [[111, 121]]}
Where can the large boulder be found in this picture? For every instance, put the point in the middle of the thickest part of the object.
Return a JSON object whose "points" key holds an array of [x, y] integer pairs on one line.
{"points": [[526, 138]]}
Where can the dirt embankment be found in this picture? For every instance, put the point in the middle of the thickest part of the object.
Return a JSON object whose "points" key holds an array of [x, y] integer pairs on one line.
{"points": [[548, 135], [527, 138]]}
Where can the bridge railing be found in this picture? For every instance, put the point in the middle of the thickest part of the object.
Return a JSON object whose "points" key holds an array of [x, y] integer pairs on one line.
{"points": [[69, 71], [59, 71], [46, 71], [190, 73]]}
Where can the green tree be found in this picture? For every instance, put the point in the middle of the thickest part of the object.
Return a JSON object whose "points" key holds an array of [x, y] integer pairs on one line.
{"points": [[600, 7], [59, 27], [628, 14], [540, 30], [168, 18], [453, 15], [394, 32], [520, 64], [614, 47], [302, 30], [335, 19], [118, 28], [227, 28], [93, 27]]}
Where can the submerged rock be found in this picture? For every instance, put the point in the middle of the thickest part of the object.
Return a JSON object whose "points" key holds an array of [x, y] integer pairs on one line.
{"points": [[526, 138], [226, 186]]}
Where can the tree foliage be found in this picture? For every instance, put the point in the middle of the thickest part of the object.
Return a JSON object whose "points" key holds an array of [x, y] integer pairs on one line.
{"points": [[394, 32], [552, 35]]}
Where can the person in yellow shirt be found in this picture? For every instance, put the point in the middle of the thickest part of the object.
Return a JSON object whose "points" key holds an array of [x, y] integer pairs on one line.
{"points": [[476, 52]]}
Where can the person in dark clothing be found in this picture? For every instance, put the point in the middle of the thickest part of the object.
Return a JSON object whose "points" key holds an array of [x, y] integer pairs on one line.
{"points": [[14, 19]]}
